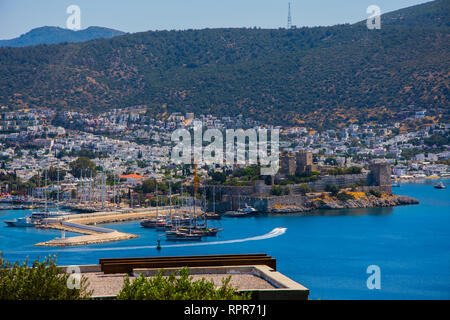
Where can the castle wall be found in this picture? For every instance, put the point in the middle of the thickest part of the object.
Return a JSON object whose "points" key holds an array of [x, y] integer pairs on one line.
{"points": [[289, 200], [385, 189], [233, 190], [263, 204], [343, 181]]}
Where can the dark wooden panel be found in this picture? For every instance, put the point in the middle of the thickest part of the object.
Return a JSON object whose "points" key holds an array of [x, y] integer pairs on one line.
{"points": [[127, 265], [203, 257]]}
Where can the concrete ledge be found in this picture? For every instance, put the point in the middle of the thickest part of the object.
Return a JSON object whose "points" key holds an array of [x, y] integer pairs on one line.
{"points": [[287, 289]]}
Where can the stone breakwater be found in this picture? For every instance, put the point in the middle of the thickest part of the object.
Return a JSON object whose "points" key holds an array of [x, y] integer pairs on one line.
{"points": [[77, 223], [88, 239], [359, 201]]}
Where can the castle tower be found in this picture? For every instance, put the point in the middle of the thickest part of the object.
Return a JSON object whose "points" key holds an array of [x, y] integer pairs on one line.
{"points": [[288, 165], [304, 160]]}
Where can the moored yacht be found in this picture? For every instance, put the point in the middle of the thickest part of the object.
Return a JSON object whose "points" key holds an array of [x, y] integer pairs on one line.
{"points": [[151, 223], [180, 235], [241, 212]]}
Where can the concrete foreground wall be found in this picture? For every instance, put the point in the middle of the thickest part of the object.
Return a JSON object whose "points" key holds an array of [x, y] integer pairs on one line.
{"points": [[284, 287]]}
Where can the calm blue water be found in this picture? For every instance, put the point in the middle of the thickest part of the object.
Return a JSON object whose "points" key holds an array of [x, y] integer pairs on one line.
{"points": [[328, 253]]}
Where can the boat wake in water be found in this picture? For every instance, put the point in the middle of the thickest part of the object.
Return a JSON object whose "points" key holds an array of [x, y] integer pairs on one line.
{"points": [[272, 234]]}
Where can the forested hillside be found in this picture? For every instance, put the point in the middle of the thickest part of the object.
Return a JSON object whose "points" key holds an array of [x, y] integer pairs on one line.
{"points": [[319, 76]]}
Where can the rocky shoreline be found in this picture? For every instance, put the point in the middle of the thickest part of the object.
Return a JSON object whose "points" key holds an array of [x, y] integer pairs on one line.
{"points": [[359, 201]]}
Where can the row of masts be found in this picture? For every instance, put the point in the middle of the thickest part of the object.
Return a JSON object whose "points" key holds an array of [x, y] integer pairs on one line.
{"points": [[176, 224], [86, 188]]}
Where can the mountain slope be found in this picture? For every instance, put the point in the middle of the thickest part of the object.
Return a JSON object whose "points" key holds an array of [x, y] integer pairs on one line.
{"points": [[53, 35], [318, 76], [434, 13]]}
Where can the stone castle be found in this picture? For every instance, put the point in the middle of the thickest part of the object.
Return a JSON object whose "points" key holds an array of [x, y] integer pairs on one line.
{"points": [[378, 178]]}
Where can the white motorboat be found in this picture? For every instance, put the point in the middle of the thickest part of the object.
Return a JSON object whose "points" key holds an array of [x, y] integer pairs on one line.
{"points": [[21, 222]]}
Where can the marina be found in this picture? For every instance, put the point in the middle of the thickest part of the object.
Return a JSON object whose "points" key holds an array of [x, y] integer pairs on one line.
{"points": [[86, 224], [179, 221], [180, 224]]}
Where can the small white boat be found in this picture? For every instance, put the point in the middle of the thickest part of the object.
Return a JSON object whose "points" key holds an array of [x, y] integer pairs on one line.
{"points": [[241, 212], [440, 185]]}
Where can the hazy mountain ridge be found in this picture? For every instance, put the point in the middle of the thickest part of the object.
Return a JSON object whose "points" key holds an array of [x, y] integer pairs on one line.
{"points": [[54, 35]]}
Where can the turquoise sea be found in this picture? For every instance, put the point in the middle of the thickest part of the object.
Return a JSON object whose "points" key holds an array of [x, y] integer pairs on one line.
{"points": [[328, 252]]}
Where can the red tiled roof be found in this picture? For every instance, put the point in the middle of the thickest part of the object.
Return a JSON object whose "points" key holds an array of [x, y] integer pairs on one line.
{"points": [[133, 176]]}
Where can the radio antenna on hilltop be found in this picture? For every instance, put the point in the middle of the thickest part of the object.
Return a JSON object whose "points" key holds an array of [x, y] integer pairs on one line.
{"points": [[289, 19]]}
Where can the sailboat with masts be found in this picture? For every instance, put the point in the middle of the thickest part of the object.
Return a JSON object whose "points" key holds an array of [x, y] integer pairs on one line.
{"points": [[194, 228], [158, 221], [186, 233]]}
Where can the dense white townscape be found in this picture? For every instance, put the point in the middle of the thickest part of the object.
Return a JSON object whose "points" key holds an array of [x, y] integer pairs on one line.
{"points": [[132, 141]]}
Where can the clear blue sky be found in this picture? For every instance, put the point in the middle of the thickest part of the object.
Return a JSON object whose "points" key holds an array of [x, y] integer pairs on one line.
{"points": [[19, 16]]}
